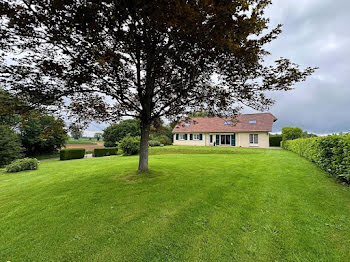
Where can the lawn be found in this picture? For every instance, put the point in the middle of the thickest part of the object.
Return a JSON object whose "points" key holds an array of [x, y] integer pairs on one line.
{"points": [[196, 204], [82, 141]]}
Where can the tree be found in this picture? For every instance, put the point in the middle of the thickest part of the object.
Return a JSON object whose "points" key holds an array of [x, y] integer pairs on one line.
{"points": [[98, 136], [42, 133], [308, 135], [116, 132], [10, 145], [76, 134], [291, 133], [151, 58]]}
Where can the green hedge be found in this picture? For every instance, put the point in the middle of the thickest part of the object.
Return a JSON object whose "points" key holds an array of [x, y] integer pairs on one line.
{"points": [[72, 153], [22, 164], [331, 153], [105, 151], [275, 140]]}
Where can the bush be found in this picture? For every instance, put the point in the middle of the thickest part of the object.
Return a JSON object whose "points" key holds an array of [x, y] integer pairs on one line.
{"points": [[165, 140], [10, 145], [275, 140], [116, 132], [153, 143], [72, 153], [130, 145], [291, 133], [22, 164], [105, 151], [331, 153]]}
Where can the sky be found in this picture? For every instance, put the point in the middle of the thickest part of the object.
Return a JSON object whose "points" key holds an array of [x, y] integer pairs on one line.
{"points": [[315, 33]]}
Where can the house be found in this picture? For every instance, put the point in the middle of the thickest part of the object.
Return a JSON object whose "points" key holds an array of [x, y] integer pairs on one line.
{"points": [[247, 130]]}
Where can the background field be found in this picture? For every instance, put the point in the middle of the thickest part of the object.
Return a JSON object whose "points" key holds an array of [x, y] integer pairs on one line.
{"points": [[228, 204]]}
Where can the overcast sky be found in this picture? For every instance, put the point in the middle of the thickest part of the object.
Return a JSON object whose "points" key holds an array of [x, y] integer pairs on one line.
{"points": [[315, 33]]}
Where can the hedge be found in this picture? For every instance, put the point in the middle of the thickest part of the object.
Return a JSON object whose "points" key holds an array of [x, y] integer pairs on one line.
{"points": [[22, 164], [331, 153], [105, 151], [275, 140], [72, 153]]}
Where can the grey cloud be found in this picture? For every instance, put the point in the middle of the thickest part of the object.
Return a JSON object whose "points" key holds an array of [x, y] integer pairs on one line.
{"points": [[315, 33]]}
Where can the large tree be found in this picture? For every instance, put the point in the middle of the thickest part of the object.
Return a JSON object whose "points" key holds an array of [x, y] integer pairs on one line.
{"points": [[149, 58]]}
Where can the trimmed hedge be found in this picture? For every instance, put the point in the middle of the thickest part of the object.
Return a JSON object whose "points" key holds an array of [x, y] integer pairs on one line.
{"points": [[72, 153], [331, 153], [275, 140], [22, 164], [105, 151]]}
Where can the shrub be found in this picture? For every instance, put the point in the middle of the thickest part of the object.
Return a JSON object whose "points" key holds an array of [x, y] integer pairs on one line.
{"points": [[10, 145], [105, 151], [130, 145], [291, 133], [153, 143], [275, 140], [116, 132], [22, 164], [165, 140], [72, 153], [331, 153]]}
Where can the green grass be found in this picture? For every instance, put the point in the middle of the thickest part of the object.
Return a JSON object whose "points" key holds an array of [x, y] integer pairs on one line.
{"points": [[230, 205], [82, 141]]}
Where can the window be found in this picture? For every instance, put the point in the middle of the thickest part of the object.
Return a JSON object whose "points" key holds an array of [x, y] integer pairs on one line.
{"points": [[196, 136], [228, 123], [253, 139], [211, 138], [225, 140], [187, 124], [183, 136], [252, 121]]}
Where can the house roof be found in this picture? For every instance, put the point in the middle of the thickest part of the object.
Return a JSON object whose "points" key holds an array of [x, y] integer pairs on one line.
{"points": [[259, 122]]}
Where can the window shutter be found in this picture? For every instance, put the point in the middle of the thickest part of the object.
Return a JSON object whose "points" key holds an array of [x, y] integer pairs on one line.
{"points": [[200, 136], [233, 139], [217, 140], [177, 136], [191, 136], [185, 136]]}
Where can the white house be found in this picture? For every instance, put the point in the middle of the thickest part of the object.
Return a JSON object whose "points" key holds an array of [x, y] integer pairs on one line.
{"points": [[246, 130]]}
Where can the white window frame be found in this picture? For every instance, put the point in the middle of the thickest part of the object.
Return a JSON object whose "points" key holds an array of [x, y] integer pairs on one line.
{"points": [[181, 136], [196, 136], [254, 139]]}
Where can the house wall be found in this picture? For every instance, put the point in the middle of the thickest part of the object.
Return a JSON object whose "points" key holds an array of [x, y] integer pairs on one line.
{"points": [[189, 142], [263, 139], [242, 140]]}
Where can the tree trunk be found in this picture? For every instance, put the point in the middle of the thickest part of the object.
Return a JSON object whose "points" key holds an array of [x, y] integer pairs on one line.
{"points": [[143, 157]]}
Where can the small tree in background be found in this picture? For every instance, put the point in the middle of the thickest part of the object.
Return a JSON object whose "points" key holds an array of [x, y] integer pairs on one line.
{"points": [[10, 145], [98, 136], [291, 133], [76, 134]]}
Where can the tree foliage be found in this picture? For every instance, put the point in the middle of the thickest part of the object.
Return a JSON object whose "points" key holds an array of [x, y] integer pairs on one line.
{"points": [[98, 136], [42, 133], [151, 58], [116, 132], [291, 133], [10, 145]]}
